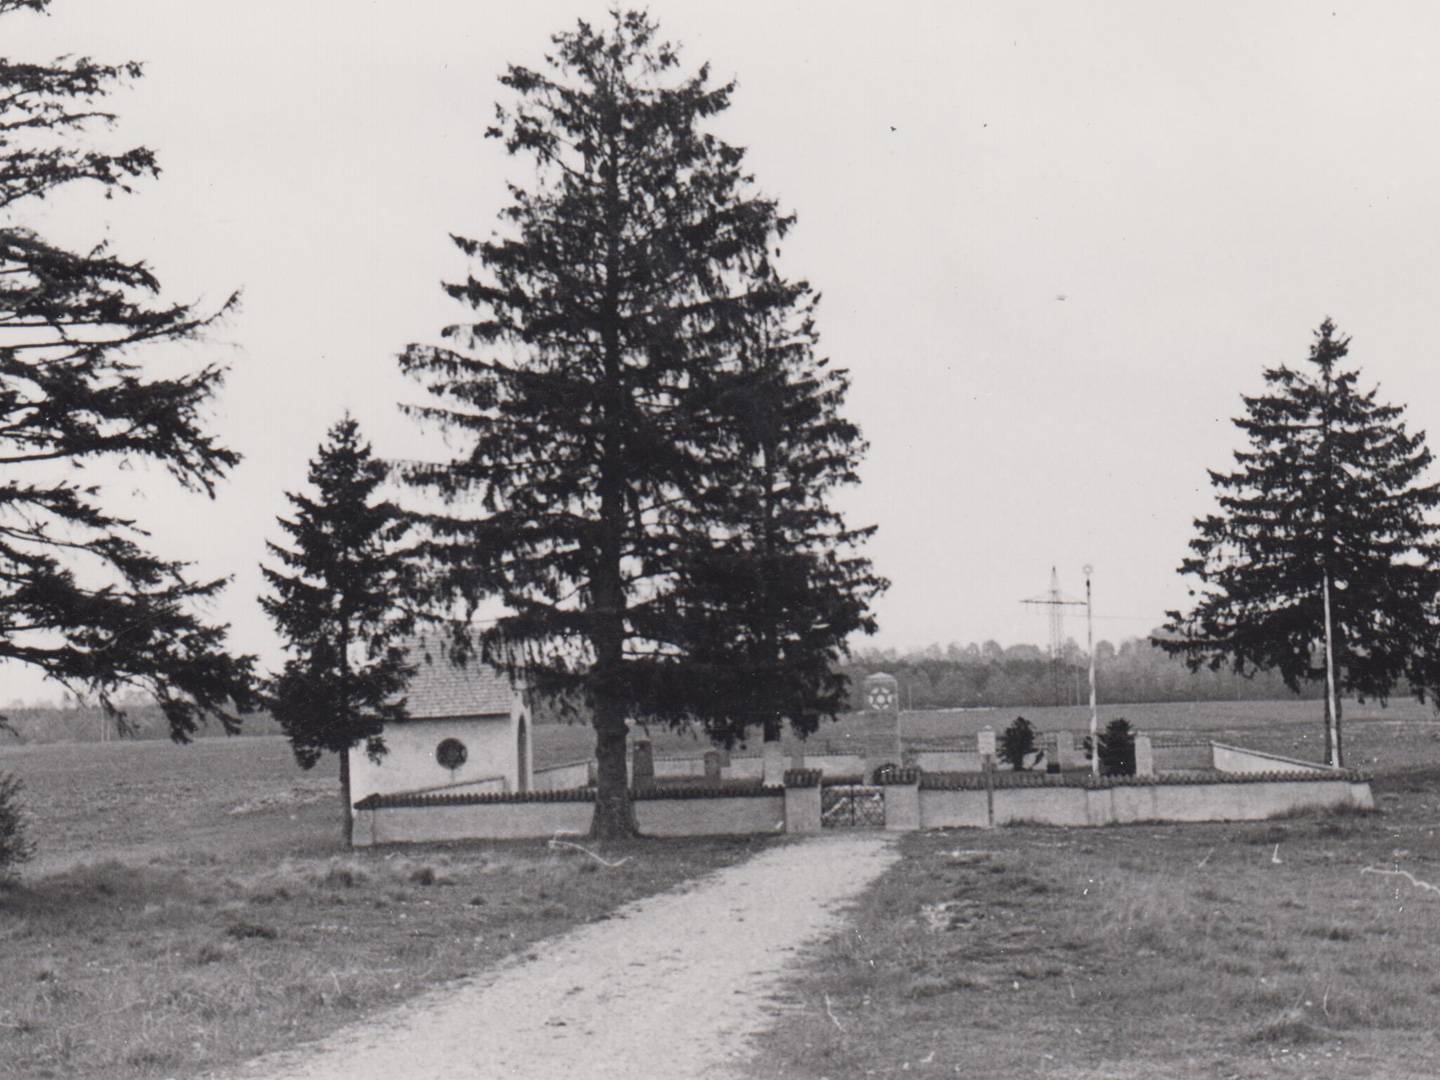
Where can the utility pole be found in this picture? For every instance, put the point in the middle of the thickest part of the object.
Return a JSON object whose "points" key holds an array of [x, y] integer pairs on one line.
{"points": [[1332, 721], [1090, 648], [1055, 600]]}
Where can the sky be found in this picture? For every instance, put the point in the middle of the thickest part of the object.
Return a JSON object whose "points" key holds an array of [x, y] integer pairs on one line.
{"points": [[1056, 242]]}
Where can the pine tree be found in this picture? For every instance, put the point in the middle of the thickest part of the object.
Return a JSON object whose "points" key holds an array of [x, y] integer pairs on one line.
{"points": [[774, 586], [1325, 513], [607, 323], [81, 598], [1117, 748], [15, 845], [342, 609], [1017, 742]]}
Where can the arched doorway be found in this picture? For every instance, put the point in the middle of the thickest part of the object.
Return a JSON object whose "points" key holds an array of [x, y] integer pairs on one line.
{"points": [[523, 746]]}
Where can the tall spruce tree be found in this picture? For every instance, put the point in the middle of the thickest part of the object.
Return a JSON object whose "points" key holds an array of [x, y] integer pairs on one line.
{"points": [[343, 603], [1325, 513], [776, 586], [81, 598], [609, 317]]}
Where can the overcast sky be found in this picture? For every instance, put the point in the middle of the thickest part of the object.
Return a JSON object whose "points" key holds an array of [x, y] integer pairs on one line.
{"points": [[1056, 242]]}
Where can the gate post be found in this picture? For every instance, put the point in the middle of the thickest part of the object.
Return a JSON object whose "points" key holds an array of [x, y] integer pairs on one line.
{"points": [[802, 801], [902, 799]]}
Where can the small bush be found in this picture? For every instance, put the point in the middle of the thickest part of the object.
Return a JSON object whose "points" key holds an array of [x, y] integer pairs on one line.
{"points": [[242, 930], [1117, 748], [339, 876], [1017, 742], [15, 845], [1290, 1027]]}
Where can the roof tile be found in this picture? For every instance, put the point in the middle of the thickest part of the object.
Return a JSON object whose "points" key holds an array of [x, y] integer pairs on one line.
{"points": [[440, 688]]}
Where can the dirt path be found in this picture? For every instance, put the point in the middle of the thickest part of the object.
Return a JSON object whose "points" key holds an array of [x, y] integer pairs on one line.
{"points": [[668, 987]]}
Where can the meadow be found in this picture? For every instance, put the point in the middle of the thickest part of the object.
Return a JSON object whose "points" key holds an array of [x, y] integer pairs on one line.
{"points": [[1304, 946], [192, 906]]}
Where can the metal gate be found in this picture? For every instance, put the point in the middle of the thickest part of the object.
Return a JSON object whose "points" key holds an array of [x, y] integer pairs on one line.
{"points": [[852, 806]]}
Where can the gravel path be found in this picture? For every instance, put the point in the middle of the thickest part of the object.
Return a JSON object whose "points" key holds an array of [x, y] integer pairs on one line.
{"points": [[668, 987]]}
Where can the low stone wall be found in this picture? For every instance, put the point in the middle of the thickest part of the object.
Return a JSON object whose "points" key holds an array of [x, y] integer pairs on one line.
{"points": [[965, 801], [759, 810], [945, 760], [1187, 756], [1237, 759], [422, 819]]}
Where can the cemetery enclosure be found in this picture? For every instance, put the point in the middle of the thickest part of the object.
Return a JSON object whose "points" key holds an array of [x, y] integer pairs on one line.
{"points": [[1252, 787]]}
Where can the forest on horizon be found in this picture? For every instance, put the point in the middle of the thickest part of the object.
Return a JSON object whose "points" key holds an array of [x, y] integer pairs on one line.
{"points": [[954, 676]]}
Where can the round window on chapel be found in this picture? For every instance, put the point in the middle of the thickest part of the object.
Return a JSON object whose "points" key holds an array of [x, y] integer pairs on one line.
{"points": [[451, 753]]}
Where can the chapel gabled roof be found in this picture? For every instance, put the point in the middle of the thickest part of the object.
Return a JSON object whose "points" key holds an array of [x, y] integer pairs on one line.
{"points": [[440, 688]]}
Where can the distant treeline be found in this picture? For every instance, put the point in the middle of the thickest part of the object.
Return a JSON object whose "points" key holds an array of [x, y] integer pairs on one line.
{"points": [[955, 676], [974, 676]]}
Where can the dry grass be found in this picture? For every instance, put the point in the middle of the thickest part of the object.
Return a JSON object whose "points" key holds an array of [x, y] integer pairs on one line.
{"points": [[191, 963], [1175, 951], [191, 906]]}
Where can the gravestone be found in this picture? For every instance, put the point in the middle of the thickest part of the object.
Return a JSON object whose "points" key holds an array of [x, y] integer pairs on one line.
{"points": [[712, 766], [1144, 756], [1064, 749], [772, 764], [642, 768]]}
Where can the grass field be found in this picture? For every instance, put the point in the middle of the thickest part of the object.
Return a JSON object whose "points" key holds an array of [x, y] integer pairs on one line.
{"points": [[192, 906], [1303, 947]]}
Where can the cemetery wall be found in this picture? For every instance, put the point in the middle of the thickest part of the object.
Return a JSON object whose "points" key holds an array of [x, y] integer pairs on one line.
{"points": [[399, 819], [574, 774], [724, 815], [956, 802], [1237, 759]]}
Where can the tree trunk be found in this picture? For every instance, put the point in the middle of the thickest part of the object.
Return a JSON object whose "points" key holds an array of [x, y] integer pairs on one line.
{"points": [[349, 819], [774, 727], [614, 816]]}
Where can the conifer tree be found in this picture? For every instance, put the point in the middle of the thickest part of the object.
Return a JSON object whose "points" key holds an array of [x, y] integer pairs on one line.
{"points": [[775, 585], [1325, 513], [342, 603], [1017, 742], [589, 383], [81, 598], [1117, 748]]}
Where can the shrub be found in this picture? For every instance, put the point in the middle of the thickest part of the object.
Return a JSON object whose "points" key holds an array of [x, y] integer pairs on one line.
{"points": [[15, 845], [1117, 748], [1017, 742]]}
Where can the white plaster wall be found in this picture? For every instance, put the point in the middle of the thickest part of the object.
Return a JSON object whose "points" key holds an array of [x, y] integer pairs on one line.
{"points": [[576, 774], [1051, 805], [948, 760], [1236, 759], [952, 809], [484, 821], [410, 764], [1140, 802], [686, 766], [711, 817]]}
